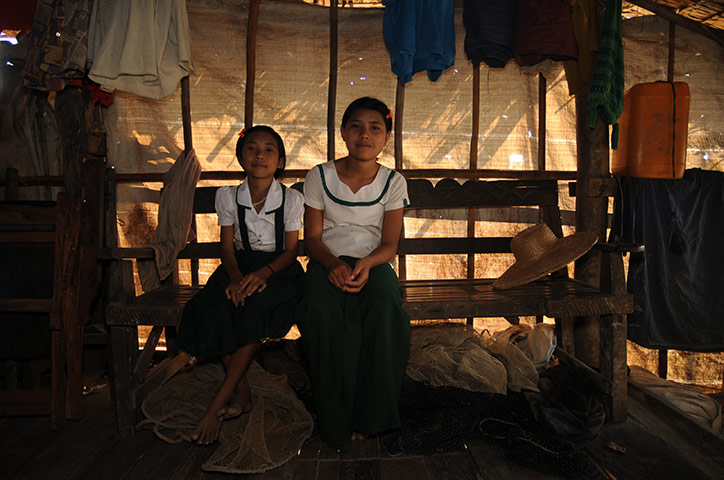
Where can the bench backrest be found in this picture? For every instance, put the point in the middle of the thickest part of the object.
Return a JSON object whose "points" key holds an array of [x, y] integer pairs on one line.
{"points": [[424, 195]]}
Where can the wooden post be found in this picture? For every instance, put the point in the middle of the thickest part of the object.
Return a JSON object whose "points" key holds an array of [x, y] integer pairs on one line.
{"points": [[250, 63], [332, 94], [399, 108], [591, 216], [186, 115], [542, 86], [473, 212], [188, 145], [664, 353], [541, 143], [11, 184]]}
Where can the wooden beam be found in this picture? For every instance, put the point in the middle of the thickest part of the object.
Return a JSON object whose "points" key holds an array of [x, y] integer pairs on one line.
{"points": [[11, 184], [301, 173], [186, 115], [668, 13], [251, 28], [542, 121], [476, 118], [332, 93], [399, 109], [472, 212]]}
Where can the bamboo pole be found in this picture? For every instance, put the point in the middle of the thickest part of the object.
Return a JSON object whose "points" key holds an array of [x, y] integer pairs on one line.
{"points": [[664, 353], [250, 63], [473, 212], [186, 114], [399, 109], [332, 95], [542, 105]]}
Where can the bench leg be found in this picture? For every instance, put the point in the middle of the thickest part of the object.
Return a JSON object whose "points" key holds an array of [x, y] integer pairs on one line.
{"points": [[564, 333], [124, 349], [614, 368]]}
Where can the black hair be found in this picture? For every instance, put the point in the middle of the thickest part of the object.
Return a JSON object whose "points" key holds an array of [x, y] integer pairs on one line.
{"points": [[369, 103], [263, 128]]}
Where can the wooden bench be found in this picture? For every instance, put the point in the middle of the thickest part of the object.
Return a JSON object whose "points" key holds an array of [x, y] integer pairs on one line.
{"points": [[557, 296]]}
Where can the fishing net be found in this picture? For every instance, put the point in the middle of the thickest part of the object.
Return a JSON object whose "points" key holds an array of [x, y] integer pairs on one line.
{"points": [[453, 355], [268, 436]]}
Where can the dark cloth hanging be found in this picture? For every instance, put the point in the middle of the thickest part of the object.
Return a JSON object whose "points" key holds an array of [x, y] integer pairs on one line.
{"points": [[420, 35], [58, 44], [489, 31], [677, 282], [543, 30], [17, 14]]}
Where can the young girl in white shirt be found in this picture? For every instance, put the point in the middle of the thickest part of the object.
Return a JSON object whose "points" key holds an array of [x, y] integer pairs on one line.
{"points": [[252, 294], [354, 331]]}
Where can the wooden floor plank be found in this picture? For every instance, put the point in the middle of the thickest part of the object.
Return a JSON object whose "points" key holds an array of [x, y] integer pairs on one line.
{"points": [[645, 456], [119, 456], [360, 470], [160, 461], [362, 449], [450, 466], [403, 468], [71, 449], [15, 454], [328, 469], [305, 469]]}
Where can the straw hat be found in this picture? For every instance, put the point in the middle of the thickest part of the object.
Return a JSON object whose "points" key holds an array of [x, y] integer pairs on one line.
{"points": [[539, 252]]}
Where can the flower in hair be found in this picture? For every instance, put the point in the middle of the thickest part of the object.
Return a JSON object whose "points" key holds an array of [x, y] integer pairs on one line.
{"points": [[242, 132], [389, 115]]}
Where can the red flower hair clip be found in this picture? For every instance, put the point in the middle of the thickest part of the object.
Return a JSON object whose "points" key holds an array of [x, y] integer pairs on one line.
{"points": [[389, 115], [242, 132]]}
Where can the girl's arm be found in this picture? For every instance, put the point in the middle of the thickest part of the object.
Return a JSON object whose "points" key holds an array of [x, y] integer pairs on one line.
{"points": [[339, 272], [228, 261], [256, 281], [391, 228]]}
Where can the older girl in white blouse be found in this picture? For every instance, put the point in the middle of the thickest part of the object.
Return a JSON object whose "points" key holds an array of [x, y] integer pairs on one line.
{"points": [[354, 330]]}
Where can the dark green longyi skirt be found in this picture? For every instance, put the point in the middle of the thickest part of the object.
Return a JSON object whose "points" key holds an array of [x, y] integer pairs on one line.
{"points": [[357, 346], [212, 325]]}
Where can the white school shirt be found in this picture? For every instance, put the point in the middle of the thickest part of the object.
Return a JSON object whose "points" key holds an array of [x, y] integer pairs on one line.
{"points": [[353, 221], [260, 226]]}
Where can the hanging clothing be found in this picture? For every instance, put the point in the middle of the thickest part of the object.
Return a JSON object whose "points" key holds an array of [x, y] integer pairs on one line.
{"points": [[211, 323], [605, 99], [543, 30], [58, 44], [489, 31], [146, 49], [420, 35], [677, 281], [356, 343], [17, 14], [579, 72], [175, 215]]}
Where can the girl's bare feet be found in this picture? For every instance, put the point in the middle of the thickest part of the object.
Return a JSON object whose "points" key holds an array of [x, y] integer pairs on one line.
{"points": [[357, 436], [240, 404], [207, 430]]}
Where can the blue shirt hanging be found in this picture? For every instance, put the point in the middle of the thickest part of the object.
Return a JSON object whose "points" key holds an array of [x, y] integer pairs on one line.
{"points": [[420, 35]]}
